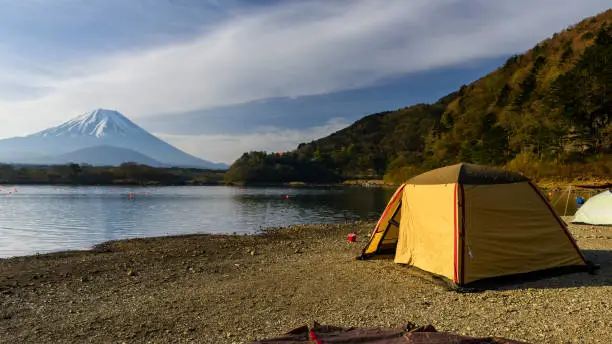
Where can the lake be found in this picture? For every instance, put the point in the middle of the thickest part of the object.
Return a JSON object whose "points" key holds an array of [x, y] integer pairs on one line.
{"points": [[51, 218]]}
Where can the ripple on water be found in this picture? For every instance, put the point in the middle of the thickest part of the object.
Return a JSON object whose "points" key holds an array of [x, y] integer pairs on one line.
{"points": [[51, 218]]}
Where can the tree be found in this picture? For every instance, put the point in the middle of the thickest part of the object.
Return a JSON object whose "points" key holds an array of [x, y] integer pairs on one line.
{"points": [[75, 171], [585, 92]]}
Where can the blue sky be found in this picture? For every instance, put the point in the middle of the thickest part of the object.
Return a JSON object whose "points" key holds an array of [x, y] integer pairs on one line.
{"points": [[219, 77]]}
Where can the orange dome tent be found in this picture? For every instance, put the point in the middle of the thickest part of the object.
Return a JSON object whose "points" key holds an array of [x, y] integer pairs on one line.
{"points": [[468, 223]]}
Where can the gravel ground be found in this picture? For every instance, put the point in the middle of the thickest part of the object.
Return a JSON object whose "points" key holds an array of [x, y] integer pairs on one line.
{"points": [[231, 289]]}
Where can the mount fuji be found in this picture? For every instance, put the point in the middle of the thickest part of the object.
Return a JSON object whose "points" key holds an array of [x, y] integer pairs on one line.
{"points": [[100, 137]]}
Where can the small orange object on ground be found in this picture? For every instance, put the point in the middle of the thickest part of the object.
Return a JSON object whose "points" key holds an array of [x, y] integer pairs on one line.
{"points": [[352, 237]]}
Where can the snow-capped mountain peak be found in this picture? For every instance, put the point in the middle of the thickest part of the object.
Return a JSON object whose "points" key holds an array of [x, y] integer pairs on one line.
{"points": [[98, 123], [97, 136]]}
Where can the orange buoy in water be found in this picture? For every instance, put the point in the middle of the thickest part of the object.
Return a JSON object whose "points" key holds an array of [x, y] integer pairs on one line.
{"points": [[131, 195]]}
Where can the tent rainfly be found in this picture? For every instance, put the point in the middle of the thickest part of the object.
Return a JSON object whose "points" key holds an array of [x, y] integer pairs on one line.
{"points": [[469, 223], [596, 211]]}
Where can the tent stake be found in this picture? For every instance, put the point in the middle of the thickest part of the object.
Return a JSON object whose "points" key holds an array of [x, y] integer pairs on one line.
{"points": [[567, 201]]}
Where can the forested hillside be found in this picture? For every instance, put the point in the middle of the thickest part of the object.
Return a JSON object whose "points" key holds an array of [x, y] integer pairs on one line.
{"points": [[126, 174], [546, 113]]}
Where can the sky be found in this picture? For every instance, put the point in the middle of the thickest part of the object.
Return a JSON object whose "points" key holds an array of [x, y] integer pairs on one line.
{"points": [[217, 78]]}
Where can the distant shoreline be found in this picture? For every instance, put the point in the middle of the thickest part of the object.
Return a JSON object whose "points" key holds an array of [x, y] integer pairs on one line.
{"points": [[544, 184], [130, 174], [4, 183]]}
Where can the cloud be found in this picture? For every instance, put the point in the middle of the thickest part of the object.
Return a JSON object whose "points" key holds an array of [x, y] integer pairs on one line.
{"points": [[288, 50], [228, 148], [309, 111]]}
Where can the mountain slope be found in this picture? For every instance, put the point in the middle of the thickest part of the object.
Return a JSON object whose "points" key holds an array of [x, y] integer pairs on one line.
{"points": [[552, 100], [105, 156], [97, 128], [551, 104]]}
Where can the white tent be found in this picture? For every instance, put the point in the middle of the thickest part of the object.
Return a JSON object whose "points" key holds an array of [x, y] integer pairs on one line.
{"points": [[596, 211]]}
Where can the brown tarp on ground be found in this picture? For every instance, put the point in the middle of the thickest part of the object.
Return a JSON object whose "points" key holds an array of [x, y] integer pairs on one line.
{"points": [[407, 335]]}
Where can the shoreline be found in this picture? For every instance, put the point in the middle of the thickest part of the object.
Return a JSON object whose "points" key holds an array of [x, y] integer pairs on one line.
{"points": [[547, 184], [216, 288]]}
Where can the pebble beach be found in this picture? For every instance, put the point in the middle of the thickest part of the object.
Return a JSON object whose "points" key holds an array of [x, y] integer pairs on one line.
{"points": [[238, 288]]}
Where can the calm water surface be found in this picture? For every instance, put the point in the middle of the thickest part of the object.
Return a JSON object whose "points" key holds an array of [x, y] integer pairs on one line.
{"points": [[47, 218]]}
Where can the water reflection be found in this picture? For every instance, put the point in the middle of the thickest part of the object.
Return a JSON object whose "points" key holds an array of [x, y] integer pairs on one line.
{"points": [[45, 218]]}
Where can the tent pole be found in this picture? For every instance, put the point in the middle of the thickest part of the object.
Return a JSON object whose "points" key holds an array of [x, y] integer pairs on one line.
{"points": [[567, 201]]}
